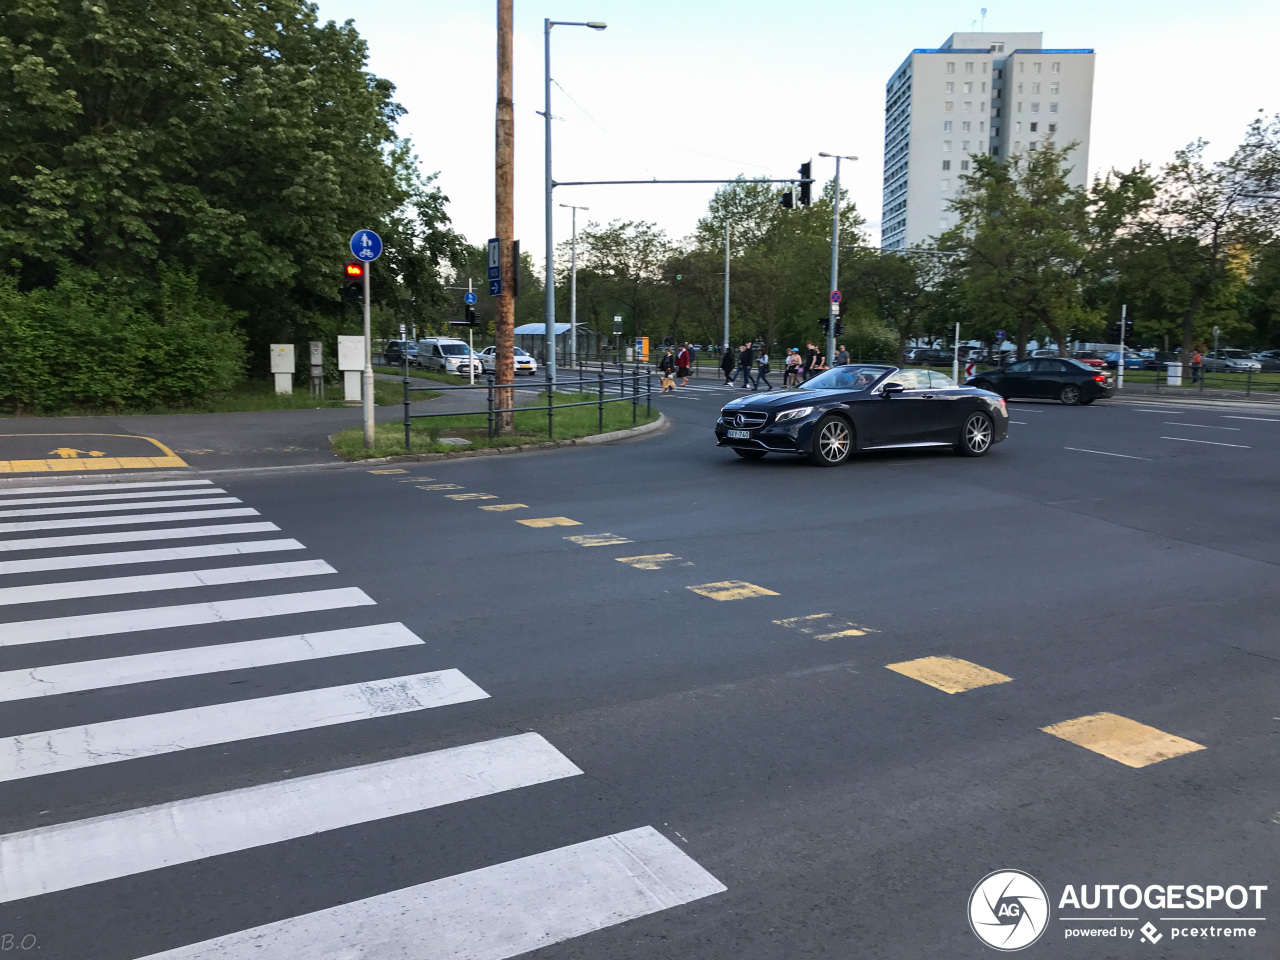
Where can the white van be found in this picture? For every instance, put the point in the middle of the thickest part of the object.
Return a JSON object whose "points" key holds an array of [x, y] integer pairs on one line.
{"points": [[449, 355]]}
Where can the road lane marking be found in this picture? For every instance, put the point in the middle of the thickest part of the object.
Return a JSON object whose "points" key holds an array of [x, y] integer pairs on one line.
{"points": [[1202, 426], [1105, 453], [948, 674], [731, 590], [494, 913], [131, 536], [164, 554], [1213, 443], [390, 470], [116, 507], [113, 741], [442, 486], [150, 582], [1227, 416], [471, 496], [1121, 739], [77, 487], [498, 507], [34, 682], [550, 522], [69, 855], [598, 540], [136, 495], [834, 629], [179, 615], [26, 526], [653, 561], [416, 480]]}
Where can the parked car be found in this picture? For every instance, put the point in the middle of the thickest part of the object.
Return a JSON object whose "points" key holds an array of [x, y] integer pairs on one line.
{"points": [[864, 407], [1230, 361], [1270, 360], [523, 362], [1043, 353], [1132, 359], [393, 353], [449, 355], [1089, 358], [934, 356], [1067, 381]]}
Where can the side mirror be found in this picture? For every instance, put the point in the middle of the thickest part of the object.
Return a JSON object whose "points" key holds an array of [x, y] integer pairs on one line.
{"points": [[891, 388]]}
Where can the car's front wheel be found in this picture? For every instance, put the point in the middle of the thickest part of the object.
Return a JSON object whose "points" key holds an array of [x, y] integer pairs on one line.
{"points": [[832, 442], [1069, 394], [975, 436], [748, 454]]}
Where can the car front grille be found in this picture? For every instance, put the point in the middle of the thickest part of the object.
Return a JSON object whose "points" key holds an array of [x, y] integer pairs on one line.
{"points": [[743, 418]]}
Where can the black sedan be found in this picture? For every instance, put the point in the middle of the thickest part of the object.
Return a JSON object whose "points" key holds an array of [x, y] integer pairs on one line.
{"points": [[864, 407], [1067, 381]]}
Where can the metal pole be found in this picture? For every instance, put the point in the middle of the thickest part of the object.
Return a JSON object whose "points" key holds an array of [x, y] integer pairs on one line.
{"points": [[368, 364], [573, 288], [955, 358], [550, 312], [471, 346], [1124, 307], [726, 284], [835, 271]]}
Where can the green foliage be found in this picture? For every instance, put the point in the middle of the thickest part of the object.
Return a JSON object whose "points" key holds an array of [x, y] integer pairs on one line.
{"points": [[81, 344]]}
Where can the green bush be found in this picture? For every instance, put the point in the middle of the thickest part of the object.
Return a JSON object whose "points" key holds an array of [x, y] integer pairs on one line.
{"points": [[93, 344], [870, 342]]}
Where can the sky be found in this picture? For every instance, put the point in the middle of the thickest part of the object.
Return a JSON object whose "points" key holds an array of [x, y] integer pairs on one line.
{"points": [[709, 89]]}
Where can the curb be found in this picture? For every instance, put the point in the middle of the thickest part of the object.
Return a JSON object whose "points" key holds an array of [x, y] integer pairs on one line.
{"points": [[616, 436]]}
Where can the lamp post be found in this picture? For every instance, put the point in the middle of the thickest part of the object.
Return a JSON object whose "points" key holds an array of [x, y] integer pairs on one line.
{"points": [[832, 306], [573, 283], [549, 329]]}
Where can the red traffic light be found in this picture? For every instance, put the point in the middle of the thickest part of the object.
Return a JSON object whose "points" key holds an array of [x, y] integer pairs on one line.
{"points": [[355, 270]]}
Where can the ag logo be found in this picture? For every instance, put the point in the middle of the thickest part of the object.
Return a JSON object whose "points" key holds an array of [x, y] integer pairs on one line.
{"points": [[1008, 910]]}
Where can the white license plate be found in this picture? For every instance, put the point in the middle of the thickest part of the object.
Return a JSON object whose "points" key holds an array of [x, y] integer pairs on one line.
{"points": [[739, 434]]}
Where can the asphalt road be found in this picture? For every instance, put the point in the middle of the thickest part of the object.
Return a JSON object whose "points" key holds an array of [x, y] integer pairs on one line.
{"points": [[622, 747]]}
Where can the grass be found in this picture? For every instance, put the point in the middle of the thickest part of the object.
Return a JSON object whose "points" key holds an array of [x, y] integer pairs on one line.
{"points": [[438, 375], [531, 427]]}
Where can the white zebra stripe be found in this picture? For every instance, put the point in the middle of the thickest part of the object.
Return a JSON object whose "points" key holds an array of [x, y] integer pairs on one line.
{"points": [[77, 487], [114, 507], [131, 536], [30, 526], [160, 555]]}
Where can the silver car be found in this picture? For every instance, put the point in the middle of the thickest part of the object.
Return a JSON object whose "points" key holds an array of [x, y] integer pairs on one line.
{"points": [[1231, 361]]}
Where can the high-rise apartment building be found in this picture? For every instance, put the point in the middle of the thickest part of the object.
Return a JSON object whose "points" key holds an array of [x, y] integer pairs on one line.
{"points": [[979, 93]]}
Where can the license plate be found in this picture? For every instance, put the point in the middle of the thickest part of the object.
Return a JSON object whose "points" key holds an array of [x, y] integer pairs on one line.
{"points": [[739, 434]]}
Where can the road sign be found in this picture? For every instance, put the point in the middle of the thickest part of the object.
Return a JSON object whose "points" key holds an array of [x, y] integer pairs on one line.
{"points": [[366, 245], [835, 296], [495, 288], [999, 334], [617, 324], [970, 369], [469, 298], [495, 263]]}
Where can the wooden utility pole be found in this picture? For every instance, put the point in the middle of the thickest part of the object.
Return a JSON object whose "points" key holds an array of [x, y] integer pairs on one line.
{"points": [[505, 184]]}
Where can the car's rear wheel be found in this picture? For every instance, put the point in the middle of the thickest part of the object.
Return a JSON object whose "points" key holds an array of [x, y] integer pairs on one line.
{"points": [[832, 442], [1069, 394], [975, 436], [984, 385], [748, 454]]}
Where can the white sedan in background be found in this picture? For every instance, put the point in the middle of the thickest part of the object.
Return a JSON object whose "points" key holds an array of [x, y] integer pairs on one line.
{"points": [[523, 362]]}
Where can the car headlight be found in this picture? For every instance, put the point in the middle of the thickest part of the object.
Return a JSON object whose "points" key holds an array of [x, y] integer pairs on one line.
{"points": [[795, 414]]}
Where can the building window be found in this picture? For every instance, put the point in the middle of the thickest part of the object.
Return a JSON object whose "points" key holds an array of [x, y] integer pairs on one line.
{"points": [[951, 87], [946, 126], [984, 86], [995, 151], [997, 48], [1022, 67], [982, 107], [948, 106], [1017, 145], [1019, 87], [1036, 67], [1031, 145], [1033, 126], [1055, 68], [968, 106], [946, 146], [964, 165], [966, 126], [982, 125], [1053, 128], [951, 66], [1053, 88], [968, 86], [968, 66], [982, 145], [1035, 88], [946, 164], [1035, 106], [946, 185], [1019, 106], [1053, 108], [999, 74], [1017, 126]]}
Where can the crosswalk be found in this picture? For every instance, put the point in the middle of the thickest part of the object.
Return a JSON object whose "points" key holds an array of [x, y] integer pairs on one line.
{"points": [[103, 545]]}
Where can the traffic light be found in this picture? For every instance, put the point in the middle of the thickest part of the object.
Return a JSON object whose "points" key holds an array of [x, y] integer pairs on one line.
{"points": [[805, 181], [353, 281], [472, 320], [839, 328], [788, 200], [823, 321]]}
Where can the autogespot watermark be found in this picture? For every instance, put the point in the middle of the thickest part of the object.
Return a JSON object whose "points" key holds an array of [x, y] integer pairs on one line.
{"points": [[1010, 910]]}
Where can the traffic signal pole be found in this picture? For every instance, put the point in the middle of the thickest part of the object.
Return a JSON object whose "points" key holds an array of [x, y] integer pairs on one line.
{"points": [[1124, 309], [726, 285], [368, 364]]}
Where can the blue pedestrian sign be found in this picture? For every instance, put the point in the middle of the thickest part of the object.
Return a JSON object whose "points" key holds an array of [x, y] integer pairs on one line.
{"points": [[470, 298], [366, 245], [495, 262]]}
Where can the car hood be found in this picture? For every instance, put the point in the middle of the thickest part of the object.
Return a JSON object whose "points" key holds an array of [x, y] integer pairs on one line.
{"points": [[773, 401]]}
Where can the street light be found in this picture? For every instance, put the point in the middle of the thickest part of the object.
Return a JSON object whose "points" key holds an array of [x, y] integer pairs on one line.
{"points": [[549, 330], [835, 261], [573, 284]]}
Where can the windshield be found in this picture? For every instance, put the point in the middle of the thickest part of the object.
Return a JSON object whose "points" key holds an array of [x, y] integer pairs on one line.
{"points": [[848, 377], [520, 353], [1236, 355], [453, 349]]}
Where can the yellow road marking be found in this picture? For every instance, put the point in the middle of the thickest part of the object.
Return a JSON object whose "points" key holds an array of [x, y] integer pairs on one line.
{"points": [[949, 674], [390, 470], [416, 480], [71, 459], [550, 522], [442, 486], [731, 590], [1121, 739], [835, 628], [653, 561], [506, 506], [471, 496], [598, 539]]}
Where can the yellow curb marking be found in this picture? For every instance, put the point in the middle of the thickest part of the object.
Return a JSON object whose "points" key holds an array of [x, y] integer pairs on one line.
{"points": [[390, 470], [69, 458], [506, 506], [471, 496], [550, 522], [598, 539], [442, 486], [1121, 739], [731, 590], [948, 674], [836, 628], [654, 561]]}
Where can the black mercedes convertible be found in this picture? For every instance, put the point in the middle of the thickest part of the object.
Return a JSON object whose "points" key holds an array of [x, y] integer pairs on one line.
{"points": [[864, 407]]}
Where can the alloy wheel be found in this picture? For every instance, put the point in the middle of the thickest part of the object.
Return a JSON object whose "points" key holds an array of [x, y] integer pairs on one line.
{"points": [[834, 441], [977, 434]]}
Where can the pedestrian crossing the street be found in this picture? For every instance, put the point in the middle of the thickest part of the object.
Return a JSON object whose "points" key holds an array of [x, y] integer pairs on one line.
{"points": [[79, 565]]}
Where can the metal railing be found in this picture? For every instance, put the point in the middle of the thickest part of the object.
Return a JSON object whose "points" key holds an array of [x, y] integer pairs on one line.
{"points": [[626, 385]]}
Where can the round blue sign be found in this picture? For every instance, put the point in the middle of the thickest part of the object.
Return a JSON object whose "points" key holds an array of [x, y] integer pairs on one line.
{"points": [[470, 298], [999, 334], [366, 245]]}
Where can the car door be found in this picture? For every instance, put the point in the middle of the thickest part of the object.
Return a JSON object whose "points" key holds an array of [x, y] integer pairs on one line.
{"points": [[892, 418], [1017, 379], [1048, 378]]}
